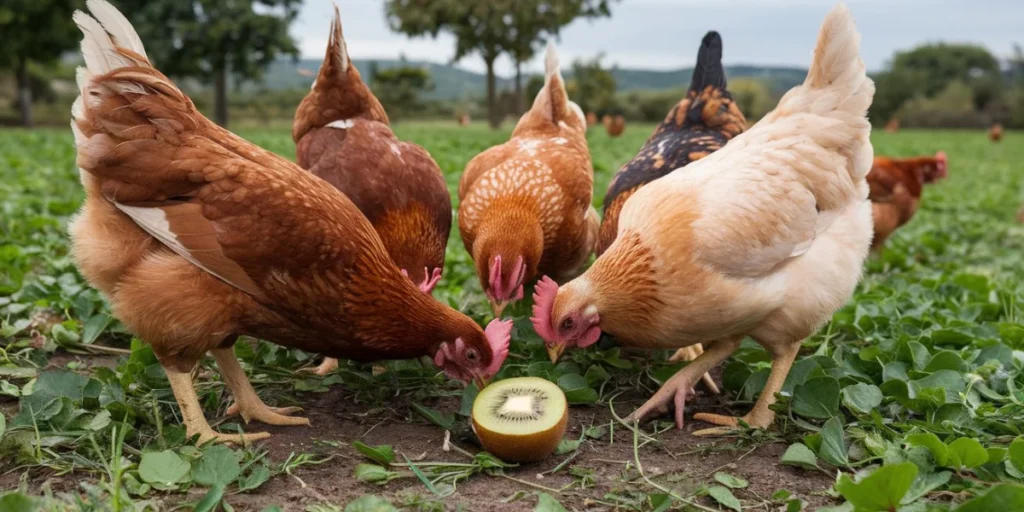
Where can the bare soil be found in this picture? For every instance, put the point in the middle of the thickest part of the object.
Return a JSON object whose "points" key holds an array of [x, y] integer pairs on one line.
{"points": [[684, 461]]}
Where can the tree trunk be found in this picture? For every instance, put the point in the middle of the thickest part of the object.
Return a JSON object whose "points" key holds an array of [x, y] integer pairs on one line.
{"points": [[492, 100], [220, 97], [519, 87], [25, 94]]}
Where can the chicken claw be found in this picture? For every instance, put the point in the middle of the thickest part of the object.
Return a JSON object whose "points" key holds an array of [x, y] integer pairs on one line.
{"points": [[689, 354], [247, 402], [328, 365], [282, 411], [675, 391], [242, 439], [730, 424]]}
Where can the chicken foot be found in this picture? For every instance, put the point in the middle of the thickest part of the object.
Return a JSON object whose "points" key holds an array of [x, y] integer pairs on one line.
{"points": [[677, 388], [689, 354], [760, 416], [192, 412], [247, 402], [328, 365]]}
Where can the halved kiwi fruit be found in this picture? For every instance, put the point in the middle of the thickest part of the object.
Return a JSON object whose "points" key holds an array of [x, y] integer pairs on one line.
{"points": [[522, 419]]}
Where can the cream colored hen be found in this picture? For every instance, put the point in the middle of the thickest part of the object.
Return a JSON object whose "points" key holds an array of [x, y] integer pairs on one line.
{"points": [[764, 238]]}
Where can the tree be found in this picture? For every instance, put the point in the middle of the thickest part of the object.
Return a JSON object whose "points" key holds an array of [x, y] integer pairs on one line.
{"points": [[595, 85], [34, 32], [399, 89], [491, 28], [928, 70], [213, 39]]}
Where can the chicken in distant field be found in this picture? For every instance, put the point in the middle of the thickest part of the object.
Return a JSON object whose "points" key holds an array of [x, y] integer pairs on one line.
{"points": [[342, 135], [196, 237], [995, 133], [764, 238], [893, 125], [591, 119], [896, 185], [614, 125], [525, 204], [701, 123]]}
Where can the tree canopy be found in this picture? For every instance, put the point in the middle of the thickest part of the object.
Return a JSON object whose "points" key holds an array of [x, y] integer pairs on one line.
{"points": [[212, 39], [35, 31], [493, 28]]}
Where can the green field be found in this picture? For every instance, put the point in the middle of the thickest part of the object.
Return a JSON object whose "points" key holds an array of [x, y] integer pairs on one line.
{"points": [[921, 373]]}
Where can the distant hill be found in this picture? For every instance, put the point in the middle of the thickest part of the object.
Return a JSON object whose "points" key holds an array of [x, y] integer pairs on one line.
{"points": [[451, 82]]}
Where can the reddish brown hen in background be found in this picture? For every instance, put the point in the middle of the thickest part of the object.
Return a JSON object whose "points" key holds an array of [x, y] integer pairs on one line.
{"points": [[995, 133], [342, 135], [614, 125], [525, 204], [896, 185], [196, 237]]}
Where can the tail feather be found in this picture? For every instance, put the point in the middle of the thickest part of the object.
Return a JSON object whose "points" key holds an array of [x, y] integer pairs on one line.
{"points": [[709, 70], [552, 100], [120, 29], [337, 59]]}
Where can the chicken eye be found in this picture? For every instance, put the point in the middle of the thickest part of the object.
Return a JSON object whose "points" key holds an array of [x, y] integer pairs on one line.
{"points": [[567, 324], [471, 354]]}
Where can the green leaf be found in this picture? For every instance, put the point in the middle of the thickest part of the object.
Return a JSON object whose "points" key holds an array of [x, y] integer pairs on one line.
{"points": [[567, 445], [730, 481], [1002, 497], [370, 503], [576, 389], [381, 454], [1017, 453], [882, 490], [969, 452], [448, 490], [99, 422], [210, 501], [164, 468], [217, 466], [258, 475], [817, 398], [724, 496], [17, 502], [3, 425], [94, 327], [443, 420], [833, 448], [926, 483], [546, 503], [938, 449], [862, 398], [800, 456], [374, 474]]}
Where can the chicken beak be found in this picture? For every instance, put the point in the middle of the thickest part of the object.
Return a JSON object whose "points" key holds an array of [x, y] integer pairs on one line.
{"points": [[498, 306], [481, 381], [555, 352]]}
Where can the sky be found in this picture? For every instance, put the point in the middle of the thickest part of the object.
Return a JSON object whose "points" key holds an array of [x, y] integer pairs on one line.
{"points": [[665, 34]]}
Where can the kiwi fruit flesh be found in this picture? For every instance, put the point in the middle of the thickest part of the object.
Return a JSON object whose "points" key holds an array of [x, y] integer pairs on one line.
{"points": [[521, 419]]}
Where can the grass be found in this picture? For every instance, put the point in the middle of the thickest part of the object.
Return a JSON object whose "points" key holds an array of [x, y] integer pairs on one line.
{"points": [[913, 392]]}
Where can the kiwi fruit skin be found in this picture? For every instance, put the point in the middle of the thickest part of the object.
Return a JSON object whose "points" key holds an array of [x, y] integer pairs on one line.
{"points": [[523, 448]]}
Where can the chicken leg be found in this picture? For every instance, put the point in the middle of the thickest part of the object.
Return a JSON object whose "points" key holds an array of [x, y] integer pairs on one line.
{"points": [[676, 389], [760, 416], [689, 354], [328, 365], [247, 402], [192, 412]]}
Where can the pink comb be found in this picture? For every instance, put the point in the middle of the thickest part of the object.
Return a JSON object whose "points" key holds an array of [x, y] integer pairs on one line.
{"points": [[430, 279], [511, 290], [943, 163], [499, 334], [543, 301]]}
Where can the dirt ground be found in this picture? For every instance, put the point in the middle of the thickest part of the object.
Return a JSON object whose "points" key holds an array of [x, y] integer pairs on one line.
{"points": [[335, 418]]}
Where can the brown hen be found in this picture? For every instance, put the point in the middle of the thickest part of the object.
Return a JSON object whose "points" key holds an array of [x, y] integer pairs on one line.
{"points": [[896, 186], [525, 204], [343, 136], [196, 237]]}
